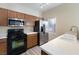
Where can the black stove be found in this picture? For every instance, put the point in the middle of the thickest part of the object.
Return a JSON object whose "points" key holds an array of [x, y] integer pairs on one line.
{"points": [[16, 42]]}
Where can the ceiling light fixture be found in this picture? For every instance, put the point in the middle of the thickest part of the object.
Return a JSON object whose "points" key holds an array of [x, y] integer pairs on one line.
{"points": [[42, 5]]}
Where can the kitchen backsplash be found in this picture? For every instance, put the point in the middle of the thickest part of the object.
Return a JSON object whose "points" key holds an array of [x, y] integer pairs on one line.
{"points": [[3, 30], [28, 29]]}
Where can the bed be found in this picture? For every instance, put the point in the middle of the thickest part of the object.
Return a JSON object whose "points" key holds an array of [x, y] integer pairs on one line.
{"points": [[66, 44]]}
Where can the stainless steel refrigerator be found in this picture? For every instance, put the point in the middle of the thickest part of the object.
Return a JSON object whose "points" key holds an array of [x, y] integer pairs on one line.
{"points": [[41, 26]]}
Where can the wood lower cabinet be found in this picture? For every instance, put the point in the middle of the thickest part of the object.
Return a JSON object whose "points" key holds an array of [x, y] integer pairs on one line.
{"points": [[3, 47], [31, 40], [3, 17]]}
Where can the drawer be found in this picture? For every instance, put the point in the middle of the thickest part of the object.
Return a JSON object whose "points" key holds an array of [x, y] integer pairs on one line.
{"points": [[32, 35]]}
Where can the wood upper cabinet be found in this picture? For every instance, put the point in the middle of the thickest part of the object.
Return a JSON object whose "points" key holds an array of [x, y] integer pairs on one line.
{"points": [[3, 17], [19, 15], [3, 46], [11, 14], [30, 17], [5, 14], [31, 40]]}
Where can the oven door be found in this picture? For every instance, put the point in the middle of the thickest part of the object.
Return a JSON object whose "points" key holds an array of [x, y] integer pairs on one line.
{"points": [[16, 42]]}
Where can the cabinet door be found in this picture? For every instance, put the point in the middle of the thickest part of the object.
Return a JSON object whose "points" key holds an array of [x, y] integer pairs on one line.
{"points": [[35, 18], [11, 14], [3, 47], [31, 40], [3, 17], [34, 39], [19, 15], [26, 17], [30, 17]]}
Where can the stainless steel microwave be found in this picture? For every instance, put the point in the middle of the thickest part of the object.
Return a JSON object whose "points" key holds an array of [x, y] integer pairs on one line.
{"points": [[15, 22]]}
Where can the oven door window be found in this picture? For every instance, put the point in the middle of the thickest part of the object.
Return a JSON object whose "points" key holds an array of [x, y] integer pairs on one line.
{"points": [[16, 44]]}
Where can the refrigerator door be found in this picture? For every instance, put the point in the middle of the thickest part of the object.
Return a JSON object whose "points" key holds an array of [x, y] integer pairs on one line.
{"points": [[43, 32], [43, 38], [41, 27]]}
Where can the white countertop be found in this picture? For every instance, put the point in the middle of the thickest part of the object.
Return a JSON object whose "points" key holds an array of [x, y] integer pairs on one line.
{"points": [[5, 35], [31, 33], [66, 44]]}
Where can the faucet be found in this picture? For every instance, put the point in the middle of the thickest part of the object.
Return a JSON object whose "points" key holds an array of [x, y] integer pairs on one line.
{"points": [[74, 27]]}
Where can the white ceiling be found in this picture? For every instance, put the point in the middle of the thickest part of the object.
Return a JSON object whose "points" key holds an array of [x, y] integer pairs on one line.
{"points": [[36, 6], [29, 8]]}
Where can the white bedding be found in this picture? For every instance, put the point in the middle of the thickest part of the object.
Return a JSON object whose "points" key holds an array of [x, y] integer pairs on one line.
{"points": [[66, 44]]}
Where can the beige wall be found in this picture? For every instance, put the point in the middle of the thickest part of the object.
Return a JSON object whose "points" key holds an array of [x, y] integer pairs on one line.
{"points": [[66, 15]]}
